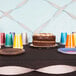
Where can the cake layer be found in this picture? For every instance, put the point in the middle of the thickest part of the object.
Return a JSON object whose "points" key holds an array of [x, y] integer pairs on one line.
{"points": [[44, 37], [43, 43]]}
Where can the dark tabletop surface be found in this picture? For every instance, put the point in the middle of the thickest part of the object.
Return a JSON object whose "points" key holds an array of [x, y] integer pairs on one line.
{"points": [[38, 57]]}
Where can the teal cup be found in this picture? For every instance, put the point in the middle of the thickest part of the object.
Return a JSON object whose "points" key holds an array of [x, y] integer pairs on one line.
{"points": [[63, 38], [9, 40]]}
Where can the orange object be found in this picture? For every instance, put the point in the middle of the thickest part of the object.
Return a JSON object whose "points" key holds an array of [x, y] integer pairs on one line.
{"points": [[70, 42]]}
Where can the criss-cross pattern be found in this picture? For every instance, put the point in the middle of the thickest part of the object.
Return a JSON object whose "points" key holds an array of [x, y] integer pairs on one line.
{"points": [[58, 12], [7, 14]]}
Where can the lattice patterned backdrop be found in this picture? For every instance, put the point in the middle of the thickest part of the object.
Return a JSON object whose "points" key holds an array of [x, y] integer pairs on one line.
{"points": [[32, 16]]}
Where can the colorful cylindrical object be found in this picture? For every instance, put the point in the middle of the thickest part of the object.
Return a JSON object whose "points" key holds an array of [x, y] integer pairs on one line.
{"points": [[2, 39], [18, 41], [70, 42], [74, 36], [63, 38], [9, 40], [24, 38], [13, 34]]}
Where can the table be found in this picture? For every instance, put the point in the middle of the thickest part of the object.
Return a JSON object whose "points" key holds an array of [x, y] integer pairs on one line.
{"points": [[36, 58]]}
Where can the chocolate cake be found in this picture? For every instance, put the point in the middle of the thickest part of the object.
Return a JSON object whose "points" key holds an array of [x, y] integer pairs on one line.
{"points": [[44, 39]]}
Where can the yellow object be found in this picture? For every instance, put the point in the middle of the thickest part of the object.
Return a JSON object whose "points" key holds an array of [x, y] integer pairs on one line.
{"points": [[18, 41], [75, 38]]}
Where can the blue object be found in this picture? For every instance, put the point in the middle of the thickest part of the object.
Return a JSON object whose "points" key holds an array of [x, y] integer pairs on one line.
{"points": [[67, 50], [13, 34], [9, 40], [63, 38]]}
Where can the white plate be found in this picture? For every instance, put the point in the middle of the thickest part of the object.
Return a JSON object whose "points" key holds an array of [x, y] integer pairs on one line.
{"points": [[44, 46], [14, 70], [57, 69]]}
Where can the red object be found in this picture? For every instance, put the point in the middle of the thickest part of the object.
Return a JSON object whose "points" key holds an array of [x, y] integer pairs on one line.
{"points": [[2, 39]]}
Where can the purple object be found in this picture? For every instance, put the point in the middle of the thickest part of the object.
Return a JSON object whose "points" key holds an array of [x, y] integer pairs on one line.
{"points": [[13, 34]]}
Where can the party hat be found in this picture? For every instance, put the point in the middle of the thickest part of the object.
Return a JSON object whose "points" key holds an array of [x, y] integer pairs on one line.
{"points": [[8, 40], [13, 34], [63, 37], [2, 39], [74, 38], [70, 42], [18, 41], [24, 38]]}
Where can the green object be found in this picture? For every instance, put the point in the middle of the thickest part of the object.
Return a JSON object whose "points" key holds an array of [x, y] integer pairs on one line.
{"points": [[9, 40]]}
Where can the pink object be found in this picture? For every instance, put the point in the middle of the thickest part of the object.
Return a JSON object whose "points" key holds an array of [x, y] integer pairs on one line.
{"points": [[70, 51], [21, 4], [2, 39]]}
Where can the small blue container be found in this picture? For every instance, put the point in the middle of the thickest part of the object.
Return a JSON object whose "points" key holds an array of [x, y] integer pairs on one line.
{"points": [[63, 38]]}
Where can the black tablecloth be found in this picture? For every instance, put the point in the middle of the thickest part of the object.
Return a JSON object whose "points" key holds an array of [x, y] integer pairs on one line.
{"points": [[37, 58]]}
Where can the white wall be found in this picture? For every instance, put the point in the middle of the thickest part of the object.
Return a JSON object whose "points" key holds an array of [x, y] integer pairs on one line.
{"points": [[34, 13]]}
